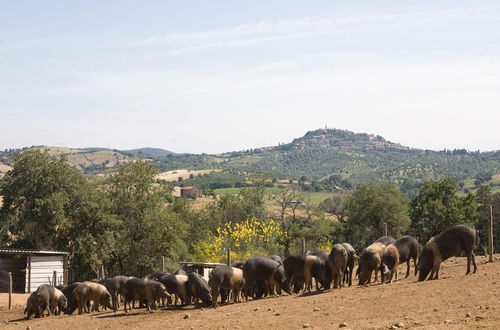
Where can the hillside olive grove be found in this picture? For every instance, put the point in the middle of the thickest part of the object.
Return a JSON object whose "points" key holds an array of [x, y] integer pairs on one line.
{"points": [[328, 158]]}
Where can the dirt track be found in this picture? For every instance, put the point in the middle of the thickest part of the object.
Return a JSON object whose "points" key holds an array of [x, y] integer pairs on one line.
{"points": [[424, 305]]}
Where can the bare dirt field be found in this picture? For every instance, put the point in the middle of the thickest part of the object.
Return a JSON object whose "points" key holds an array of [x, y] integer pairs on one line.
{"points": [[4, 169], [56, 151], [174, 175], [455, 301]]}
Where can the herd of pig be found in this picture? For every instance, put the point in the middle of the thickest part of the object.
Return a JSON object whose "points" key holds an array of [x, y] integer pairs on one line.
{"points": [[260, 276]]}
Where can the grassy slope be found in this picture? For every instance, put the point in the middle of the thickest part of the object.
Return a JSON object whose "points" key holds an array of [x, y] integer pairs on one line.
{"points": [[88, 158], [315, 197]]}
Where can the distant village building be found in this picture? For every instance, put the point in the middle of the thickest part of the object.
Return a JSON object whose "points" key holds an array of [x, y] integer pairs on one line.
{"points": [[176, 192], [191, 192]]}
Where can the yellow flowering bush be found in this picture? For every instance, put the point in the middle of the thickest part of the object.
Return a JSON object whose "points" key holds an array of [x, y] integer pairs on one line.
{"points": [[246, 239], [326, 246]]}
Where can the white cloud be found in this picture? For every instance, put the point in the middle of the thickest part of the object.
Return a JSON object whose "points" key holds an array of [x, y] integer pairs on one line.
{"points": [[339, 24]]}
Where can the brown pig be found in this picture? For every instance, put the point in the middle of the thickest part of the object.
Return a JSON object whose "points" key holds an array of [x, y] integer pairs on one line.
{"points": [[370, 261], [90, 291], [337, 262], [391, 260]]}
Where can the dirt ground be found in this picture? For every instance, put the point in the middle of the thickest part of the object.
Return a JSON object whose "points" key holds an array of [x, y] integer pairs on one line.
{"points": [[174, 175], [455, 301], [4, 169]]}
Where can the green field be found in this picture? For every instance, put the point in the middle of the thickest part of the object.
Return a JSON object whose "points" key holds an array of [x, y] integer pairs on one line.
{"points": [[230, 191], [317, 197], [494, 184]]}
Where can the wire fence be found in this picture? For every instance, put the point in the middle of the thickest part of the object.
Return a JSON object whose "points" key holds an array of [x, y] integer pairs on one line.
{"points": [[76, 275], [4, 281], [18, 281]]}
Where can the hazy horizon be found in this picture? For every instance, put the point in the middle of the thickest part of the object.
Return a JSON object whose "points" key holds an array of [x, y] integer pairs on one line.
{"points": [[236, 149], [220, 76]]}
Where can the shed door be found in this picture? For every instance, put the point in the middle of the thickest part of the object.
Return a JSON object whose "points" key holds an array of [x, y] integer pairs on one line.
{"points": [[42, 270]]}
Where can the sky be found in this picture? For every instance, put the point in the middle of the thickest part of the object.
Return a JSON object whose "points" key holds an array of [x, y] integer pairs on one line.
{"points": [[216, 76]]}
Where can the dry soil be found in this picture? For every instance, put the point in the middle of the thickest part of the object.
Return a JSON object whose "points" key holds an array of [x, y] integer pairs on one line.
{"points": [[455, 301]]}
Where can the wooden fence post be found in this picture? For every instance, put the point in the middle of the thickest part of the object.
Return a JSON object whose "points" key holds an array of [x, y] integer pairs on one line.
{"points": [[490, 235], [229, 257], [54, 278], [385, 228], [10, 290], [303, 245], [162, 264], [29, 273]]}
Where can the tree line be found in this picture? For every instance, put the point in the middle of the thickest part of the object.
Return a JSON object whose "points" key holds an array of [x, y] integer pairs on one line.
{"points": [[125, 221]]}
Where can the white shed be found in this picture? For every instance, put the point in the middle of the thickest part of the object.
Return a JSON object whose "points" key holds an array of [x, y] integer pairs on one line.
{"points": [[31, 268], [202, 268]]}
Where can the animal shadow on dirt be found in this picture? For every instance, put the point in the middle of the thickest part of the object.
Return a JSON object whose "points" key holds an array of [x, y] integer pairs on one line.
{"points": [[106, 316], [313, 293]]}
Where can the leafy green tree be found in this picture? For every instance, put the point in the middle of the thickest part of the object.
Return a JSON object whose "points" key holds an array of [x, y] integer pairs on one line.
{"points": [[202, 222], [39, 197], [289, 199], [49, 205], [228, 210], [209, 192], [481, 178], [322, 233], [496, 220], [249, 203], [335, 205], [485, 198], [148, 229], [438, 206], [91, 236], [369, 207]]}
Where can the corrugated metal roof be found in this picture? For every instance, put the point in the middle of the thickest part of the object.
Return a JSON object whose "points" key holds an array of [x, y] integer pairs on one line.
{"points": [[26, 251]]}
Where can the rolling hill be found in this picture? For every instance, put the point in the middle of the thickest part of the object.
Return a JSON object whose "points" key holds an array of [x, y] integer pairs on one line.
{"points": [[358, 157], [317, 155], [89, 161], [155, 152]]}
